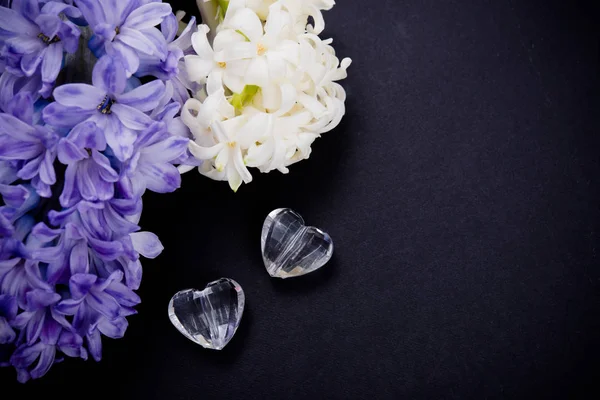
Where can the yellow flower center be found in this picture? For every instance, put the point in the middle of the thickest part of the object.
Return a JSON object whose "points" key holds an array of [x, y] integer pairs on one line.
{"points": [[260, 49], [222, 64], [231, 144]]}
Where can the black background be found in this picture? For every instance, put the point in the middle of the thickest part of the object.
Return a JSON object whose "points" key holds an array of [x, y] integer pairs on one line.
{"points": [[462, 193]]}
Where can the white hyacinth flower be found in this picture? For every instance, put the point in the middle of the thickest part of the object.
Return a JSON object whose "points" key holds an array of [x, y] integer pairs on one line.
{"points": [[270, 86]]}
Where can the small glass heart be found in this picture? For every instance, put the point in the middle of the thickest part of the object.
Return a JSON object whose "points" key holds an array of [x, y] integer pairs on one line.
{"points": [[211, 316], [290, 248]]}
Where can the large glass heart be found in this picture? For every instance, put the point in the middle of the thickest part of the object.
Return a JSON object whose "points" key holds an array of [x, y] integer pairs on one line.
{"points": [[290, 248], [211, 316]]}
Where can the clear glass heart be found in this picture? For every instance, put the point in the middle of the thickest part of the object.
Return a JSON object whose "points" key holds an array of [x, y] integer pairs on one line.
{"points": [[211, 316], [290, 248]]}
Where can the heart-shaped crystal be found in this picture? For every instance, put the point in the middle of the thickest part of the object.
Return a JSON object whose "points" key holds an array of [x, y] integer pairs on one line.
{"points": [[211, 316], [290, 248]]}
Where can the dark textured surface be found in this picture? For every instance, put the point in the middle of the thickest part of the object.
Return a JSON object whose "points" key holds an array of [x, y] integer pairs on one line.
{"points": [[462, 193]]}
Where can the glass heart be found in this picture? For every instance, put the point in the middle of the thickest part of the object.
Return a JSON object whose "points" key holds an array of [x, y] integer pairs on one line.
{"points": [[211, 316], [290, 248]]}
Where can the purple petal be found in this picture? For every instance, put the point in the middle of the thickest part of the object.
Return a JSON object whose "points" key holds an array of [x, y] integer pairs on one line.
{"points": [[34, 326], [30, 61], [45, 362], [148, 15], [145, 97], [68, 306], [123, 294], [7, 335], [26, 45], [14, 196], [161, 178], [114, 329], [184, 41], [30, 8], [8, 306], [21, 106], [31, 169], [56, 8], [52, 62], [104, 303], [89, 184], [69, 35], [51, 331], [37, 299], [108, 76], [49, 24], [158, 41], [94, 344], [106, 250], [19, 150], [69, 195], [88, 135], [119, 138], [13, 21], [69, 153], [126, 55], [79, 95], [25, 355], [56, 114], [133, 273], [71, 344], [147, 244], [92, 11], [136, 40], [117, 10], [80, 284], [169, 27], [16, 128], [107, 173], [167, 150], [130, 117], [47, 174], [79, 260]]}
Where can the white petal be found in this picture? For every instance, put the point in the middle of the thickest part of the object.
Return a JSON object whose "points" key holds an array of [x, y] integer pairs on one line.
{"points": [[226, 38], [234, 83], [277, 66], [312, 104], [257, 72], [200, 43], [246, 21], [205, 153], [240, 167], [236, 51], [198, 68], [271, 96], [258, 127], [288, 99]]}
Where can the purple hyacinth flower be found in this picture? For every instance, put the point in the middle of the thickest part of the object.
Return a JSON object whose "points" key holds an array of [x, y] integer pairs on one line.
{"points": [[151, 167], [171, 68], [39, 36], [12, 85], [8, 312], [52, 337], [99, 303], [18, 200], [89, 175], [125, 29], [32, 145], [31, 321], [117, 113]]}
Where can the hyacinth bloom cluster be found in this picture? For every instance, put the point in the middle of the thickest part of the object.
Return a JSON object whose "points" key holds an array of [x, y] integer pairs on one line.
{"points": [[76, 156], [268, 86]]}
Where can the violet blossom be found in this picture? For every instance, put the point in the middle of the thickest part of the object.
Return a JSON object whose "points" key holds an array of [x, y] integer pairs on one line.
{"points": [[38, 36], [73, 169]]}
